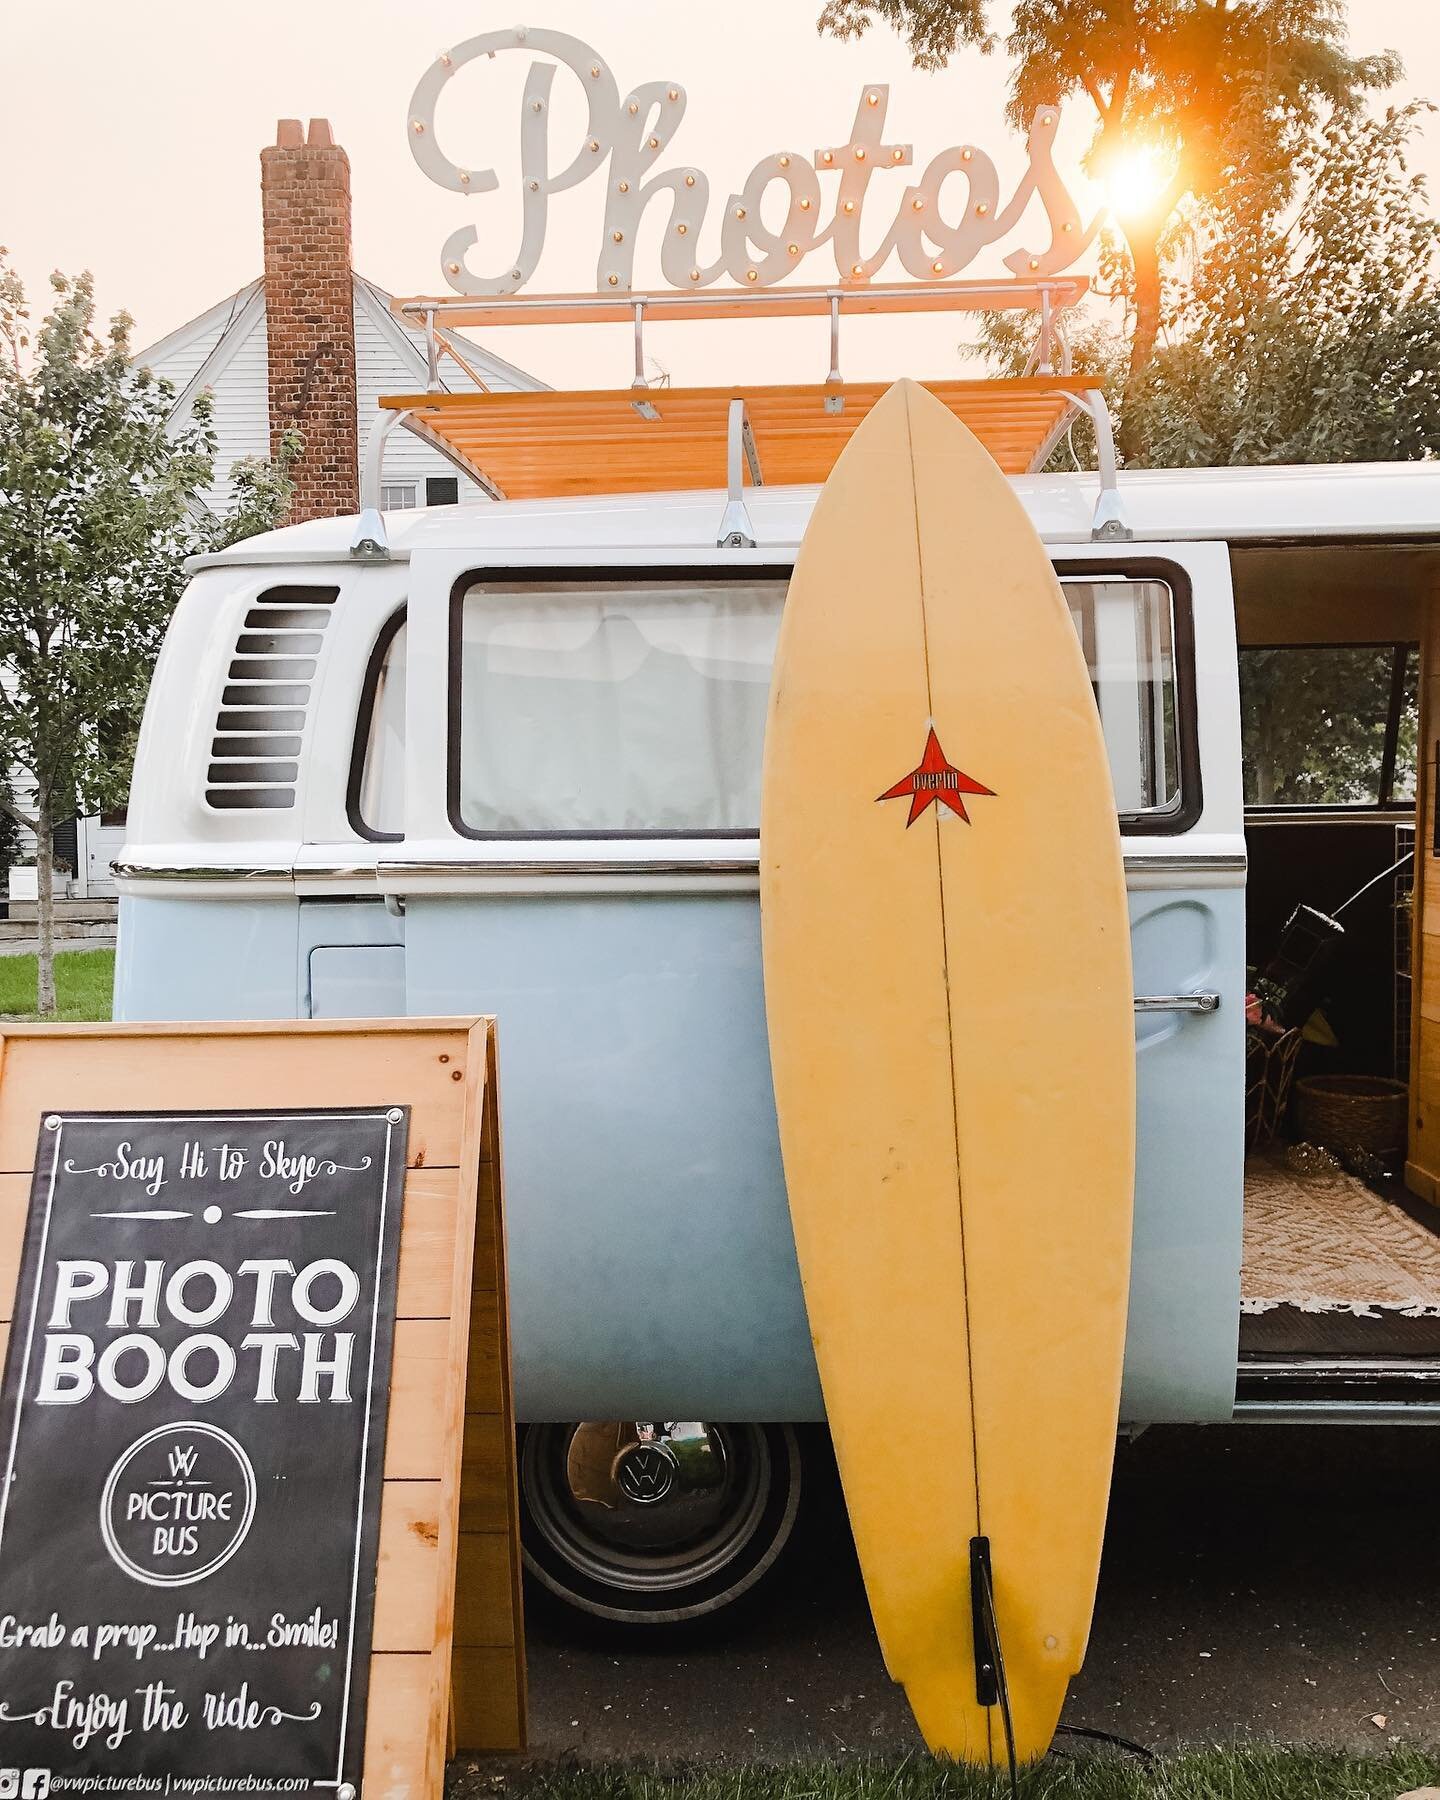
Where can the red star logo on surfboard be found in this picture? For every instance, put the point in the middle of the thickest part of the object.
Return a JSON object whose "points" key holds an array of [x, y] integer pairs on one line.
{"points": [[936, 781]]}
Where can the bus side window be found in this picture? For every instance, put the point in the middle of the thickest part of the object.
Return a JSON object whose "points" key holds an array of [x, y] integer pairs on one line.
{"points": [[376, 797], [1329, 725], [614, 705], [1127, 630]]}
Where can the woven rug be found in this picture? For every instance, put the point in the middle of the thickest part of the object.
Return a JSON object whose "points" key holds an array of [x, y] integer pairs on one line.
{"points": [[1326, 1243]]}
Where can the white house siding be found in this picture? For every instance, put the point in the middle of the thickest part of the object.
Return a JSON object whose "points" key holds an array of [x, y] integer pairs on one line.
{"points": [[390, 359], [224, 351], [383, 367], [240, 397], [179, 356]]}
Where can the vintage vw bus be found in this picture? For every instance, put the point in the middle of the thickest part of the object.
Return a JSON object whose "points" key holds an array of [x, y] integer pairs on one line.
{"points": [[506, 758]]}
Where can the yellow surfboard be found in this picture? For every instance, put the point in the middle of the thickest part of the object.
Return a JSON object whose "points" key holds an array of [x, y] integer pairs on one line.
{"points": [[948, 986]]}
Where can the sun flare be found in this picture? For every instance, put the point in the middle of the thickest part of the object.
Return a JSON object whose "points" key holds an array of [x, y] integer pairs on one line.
{"points": [[1135, 180]]}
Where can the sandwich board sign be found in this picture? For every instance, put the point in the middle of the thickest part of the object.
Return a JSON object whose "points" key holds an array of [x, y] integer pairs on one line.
{"points": [[201, 1471], [205, 1319]]}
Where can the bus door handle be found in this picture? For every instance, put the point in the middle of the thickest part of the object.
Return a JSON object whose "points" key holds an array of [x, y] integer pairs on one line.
{"points": [[1177, 1003]]}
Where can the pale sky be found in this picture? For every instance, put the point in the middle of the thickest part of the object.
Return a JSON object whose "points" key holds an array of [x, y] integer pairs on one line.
{"points": [[130, 137]]}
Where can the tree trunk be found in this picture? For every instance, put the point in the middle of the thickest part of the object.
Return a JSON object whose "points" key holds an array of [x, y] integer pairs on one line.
{"points": [[45, 903], [1145, 258], [1267, 746]]}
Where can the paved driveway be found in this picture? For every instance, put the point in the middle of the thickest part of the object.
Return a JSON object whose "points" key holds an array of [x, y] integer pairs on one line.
{"points": [[1283, 1582]]}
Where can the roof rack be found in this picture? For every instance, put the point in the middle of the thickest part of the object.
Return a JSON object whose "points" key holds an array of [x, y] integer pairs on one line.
{"points": [[648, 438]]}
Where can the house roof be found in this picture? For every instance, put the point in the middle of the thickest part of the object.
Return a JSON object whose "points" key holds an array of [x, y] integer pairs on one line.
{"points": [[492, 369], [199, 336], [210, 339]]}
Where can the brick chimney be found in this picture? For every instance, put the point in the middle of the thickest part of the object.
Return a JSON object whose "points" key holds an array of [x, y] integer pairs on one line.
{"points": [[309, 311]]}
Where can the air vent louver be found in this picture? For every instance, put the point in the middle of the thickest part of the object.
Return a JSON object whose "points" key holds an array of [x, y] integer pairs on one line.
{"points": [[263, 706]]}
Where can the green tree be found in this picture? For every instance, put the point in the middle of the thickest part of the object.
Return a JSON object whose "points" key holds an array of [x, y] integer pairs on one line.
{"points": [[1309, 333], [1313, 724], [1303, 334], [260, 493], [98, 510], [1185, 93]]}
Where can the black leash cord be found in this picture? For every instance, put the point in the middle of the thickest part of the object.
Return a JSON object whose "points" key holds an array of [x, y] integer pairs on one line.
{"points": [[996, 1689], [981, 1569], [1107, 1737]]}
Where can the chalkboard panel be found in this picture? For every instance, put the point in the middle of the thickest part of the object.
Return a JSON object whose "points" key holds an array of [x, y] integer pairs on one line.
{"points": [[192, 1431]]}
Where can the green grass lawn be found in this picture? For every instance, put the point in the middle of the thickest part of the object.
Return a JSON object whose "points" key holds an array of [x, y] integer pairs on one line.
{"points": [[1069, 1774], [84, 981]]}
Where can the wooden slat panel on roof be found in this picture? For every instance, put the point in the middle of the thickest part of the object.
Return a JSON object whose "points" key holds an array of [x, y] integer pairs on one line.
{"points": [[540, 445]]}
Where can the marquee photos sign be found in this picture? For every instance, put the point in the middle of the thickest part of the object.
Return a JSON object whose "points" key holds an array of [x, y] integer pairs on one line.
{"points": [[938, 226]]}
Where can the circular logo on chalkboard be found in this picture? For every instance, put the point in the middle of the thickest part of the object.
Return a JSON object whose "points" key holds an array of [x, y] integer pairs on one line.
{"points": [[177, 1505]]}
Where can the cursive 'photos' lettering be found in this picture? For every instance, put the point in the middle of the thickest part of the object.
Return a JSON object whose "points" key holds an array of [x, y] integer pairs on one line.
{"points": [[934, 231]]}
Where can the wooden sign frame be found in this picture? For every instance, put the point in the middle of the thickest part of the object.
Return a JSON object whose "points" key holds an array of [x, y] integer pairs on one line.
{"points": [[447, 1646]]}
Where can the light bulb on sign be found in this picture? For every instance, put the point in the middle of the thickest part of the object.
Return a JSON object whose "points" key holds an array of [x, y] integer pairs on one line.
{"points": [[612, 133]]}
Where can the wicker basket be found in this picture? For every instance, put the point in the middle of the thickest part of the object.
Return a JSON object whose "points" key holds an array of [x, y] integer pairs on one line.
{"points": [[1352, 1112], [1269, 1071]]}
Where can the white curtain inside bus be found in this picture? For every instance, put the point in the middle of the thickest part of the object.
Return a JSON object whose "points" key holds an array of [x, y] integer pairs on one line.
{"points": [[615, 706], [634, 706]]}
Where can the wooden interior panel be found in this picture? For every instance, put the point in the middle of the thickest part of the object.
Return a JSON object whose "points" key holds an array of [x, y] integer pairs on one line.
{"points": [[1331, 593], [1422, 1168]]}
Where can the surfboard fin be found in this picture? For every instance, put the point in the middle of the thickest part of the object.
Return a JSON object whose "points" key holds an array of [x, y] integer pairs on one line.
{"points": [[991, 1687]]}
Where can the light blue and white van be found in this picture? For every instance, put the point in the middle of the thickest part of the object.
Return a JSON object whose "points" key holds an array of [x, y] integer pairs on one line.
{"points": [[509, 763]]}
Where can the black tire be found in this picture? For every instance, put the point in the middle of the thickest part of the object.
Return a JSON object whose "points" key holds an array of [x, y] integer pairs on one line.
{"points": [[639, 1529]]}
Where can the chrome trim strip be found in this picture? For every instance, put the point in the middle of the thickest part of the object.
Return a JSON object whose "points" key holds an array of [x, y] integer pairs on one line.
{"points": [[1336, 1412], [202, 872], [1400, 814], [390, 868], [1352, 1369], [1177, 1003], [1174, 863], [360, 872], [1143, 863], [1342, 1383]]}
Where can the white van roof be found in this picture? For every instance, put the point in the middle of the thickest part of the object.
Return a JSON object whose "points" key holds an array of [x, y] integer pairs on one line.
{"points": [[1321, 502]]}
